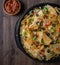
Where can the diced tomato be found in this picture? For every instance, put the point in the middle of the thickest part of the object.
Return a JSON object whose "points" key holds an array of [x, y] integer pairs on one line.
{"points": [[42, 19], [40, 45], [57, 48], [52, 15], [31, 29], [42, 50], [8, 8], [48, 24], [15, 6], [57, 29]]}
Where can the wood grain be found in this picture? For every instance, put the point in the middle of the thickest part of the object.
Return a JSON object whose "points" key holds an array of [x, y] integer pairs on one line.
{"points": [[9, 52]]}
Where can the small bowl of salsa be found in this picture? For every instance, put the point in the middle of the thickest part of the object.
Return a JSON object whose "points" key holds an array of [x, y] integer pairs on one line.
{"points": [[12, 7]]}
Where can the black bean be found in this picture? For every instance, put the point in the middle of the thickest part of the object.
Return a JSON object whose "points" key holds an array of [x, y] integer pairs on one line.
{"points": [[38, 23], [48, 50], [43, 57], [46, 46], [42, 28], [37, 15], [53, 25]]}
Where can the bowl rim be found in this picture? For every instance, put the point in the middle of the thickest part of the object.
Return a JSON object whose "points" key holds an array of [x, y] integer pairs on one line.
{"points": [[17, 26]]}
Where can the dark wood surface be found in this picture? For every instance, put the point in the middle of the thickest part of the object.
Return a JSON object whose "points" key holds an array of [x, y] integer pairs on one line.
{"points": [[9, 52]]}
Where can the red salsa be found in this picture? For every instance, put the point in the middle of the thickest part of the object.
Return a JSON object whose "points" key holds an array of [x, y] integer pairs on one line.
{"points": [[11, 6]]}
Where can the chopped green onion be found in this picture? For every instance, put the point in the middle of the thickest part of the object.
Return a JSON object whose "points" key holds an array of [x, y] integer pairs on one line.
{"points": [[31, 20], [42, 41], [24, 33], [51, 54], [45, 9], [34, 38], [52, 30]]}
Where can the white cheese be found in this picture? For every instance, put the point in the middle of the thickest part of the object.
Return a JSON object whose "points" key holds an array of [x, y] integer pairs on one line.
{"points": [[41, 13]]}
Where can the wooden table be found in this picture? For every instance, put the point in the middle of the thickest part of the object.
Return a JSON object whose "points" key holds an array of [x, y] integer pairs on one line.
{"points": [[9, 52]]}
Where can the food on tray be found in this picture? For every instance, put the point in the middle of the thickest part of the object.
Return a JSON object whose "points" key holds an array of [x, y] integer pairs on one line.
{"points": [[40, 32]]}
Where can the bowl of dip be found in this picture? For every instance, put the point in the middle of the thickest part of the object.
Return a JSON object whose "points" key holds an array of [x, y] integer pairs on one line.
{"points": [[12, 7]]}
